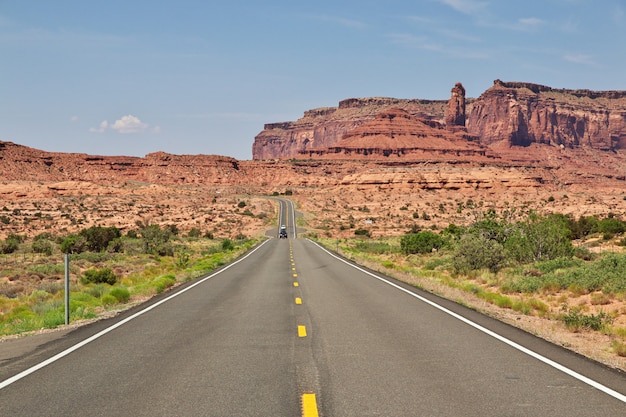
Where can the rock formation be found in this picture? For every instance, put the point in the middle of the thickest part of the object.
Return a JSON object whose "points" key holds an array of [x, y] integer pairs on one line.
{"points": [[455, 112], [324, 127], [518, 114], [508, 115], [395, 132]]}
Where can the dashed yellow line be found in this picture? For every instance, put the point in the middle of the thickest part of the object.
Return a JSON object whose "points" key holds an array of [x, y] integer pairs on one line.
{"points": [[295, 284], [301, 331], [309, 405], [298, 300]]}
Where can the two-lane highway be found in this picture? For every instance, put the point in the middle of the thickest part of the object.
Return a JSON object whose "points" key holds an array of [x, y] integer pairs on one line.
{"points": [[293, 330]]}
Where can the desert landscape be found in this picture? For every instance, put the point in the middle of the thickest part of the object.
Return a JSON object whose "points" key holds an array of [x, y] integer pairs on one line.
{"points": [[380, 166]]}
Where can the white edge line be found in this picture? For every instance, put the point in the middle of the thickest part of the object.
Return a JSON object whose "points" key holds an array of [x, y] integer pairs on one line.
{"points": [[556, 365], [77, 346]]}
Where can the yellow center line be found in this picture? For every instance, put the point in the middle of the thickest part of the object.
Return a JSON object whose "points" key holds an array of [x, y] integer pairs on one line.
{"points": [[295, 284], [301, 331], [309, 405], [298, 300]]}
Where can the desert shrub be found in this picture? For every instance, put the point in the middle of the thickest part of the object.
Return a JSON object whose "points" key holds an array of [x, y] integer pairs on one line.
{"points": [[227, 245], [475, 252], [97, 238], [155, 239], [121, 294], [585, 226], [163, 282], [611, 226], [116, 245], [104, 276], [539, 239], [108, 299], [576, 321], [74, 244], [42, 246], [421, 242], [194, 232], [362, 232], [241, 204], [558, 263], [44, 236], [374, 247], [9, 245], [97, 290], [619, 348]]}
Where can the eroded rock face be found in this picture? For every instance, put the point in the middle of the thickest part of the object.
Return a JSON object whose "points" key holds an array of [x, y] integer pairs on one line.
{"points": [[395, 132], [509, 114], [325, 127], [519, 114], [455, 112]]}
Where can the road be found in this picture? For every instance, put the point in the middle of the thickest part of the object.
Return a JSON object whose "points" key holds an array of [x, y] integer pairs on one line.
{"points": [[291, 324]]}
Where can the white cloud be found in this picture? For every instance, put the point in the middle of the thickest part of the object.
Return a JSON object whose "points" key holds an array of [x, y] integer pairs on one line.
{"points": [[129, 124], [74, 119], [125, 124], [100, 129]]}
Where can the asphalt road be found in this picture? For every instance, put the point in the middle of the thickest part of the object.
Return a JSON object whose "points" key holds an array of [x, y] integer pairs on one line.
{"points": [[291, 323]]}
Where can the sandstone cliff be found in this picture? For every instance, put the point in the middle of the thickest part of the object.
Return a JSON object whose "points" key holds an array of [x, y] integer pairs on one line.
{"points": [[507, 115], [519, 114], [324, 127], [395, 132]]}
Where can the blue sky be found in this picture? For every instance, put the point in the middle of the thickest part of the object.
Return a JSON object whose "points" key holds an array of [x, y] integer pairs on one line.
{"points": [[133, 77]]}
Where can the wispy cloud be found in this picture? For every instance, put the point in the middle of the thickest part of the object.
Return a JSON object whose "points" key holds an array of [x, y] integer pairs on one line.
{"points": [[465, 6], [579, 59], [240, 116], [341, 21], [426, 44], [530, 22], [453, 34], [619, 16]]}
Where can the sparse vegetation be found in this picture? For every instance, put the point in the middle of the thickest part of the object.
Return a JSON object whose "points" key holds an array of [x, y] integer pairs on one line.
{"points": [[107, 278]]}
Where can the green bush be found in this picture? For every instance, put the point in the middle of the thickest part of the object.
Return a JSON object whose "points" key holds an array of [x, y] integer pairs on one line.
{"points": [[576, 321], [421, 242], [9, 245], [104, 276], [155, 239], [74, 244], [97, 238], [163, 282], [475, 252], [121, 294], [227, 245], [108, 299], [195, 232], [539, 239], [42, 246]]}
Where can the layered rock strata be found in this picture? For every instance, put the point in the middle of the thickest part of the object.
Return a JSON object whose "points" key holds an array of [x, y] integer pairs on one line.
{"points": [[518, 114], [507, 116]]}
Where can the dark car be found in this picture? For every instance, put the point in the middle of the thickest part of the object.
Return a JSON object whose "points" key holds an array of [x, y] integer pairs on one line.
{"points": [[283, 232]]}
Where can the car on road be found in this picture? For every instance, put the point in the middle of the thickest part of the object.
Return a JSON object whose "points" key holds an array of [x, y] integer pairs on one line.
{"points": [[283, 232]]}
